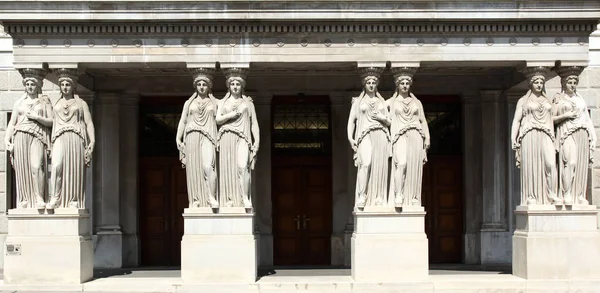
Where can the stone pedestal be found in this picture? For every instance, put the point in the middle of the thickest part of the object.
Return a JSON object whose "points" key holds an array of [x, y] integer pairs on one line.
{"points": [[389, 245], [48, 248], [556, 242], [218, 247]]}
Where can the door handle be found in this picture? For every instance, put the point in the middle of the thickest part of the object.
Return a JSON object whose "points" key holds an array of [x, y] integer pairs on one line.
{"points": [[297, 220], [304, 220]]}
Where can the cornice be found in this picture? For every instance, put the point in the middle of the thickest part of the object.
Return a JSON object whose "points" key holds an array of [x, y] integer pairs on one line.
{"points": [[58, 10], [256, 29]]}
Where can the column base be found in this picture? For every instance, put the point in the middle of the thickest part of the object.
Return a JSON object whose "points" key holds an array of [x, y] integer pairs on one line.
{"points": [[218, 248], [556, 242], [108, 247], [389, 245], [48, 249]]}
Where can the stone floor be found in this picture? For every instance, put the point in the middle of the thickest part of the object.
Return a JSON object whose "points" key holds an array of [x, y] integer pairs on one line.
{"points": [[452, 279]]}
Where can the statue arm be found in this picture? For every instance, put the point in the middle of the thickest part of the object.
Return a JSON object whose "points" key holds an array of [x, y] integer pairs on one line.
{"points": [[87, 118], [425, 126], [351, 127], [591, 128], [222, 118], [516, 123], [181, 125], [48, 119], [254, 128]]}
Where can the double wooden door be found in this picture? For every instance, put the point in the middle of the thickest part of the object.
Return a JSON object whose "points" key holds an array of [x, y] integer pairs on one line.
{"points": [[163, 196], [302, 210], [443, 201]]}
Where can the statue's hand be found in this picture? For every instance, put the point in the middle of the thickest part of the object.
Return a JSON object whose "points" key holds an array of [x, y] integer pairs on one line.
{"points": [[353, 145], [32, 116], [9, 146], [427, 144], [180, 145]]}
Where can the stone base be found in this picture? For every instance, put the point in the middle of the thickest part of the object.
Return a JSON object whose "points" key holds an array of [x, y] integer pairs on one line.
{"points": [[48, 249], [556, 242], [389, 245], [218, 247]]}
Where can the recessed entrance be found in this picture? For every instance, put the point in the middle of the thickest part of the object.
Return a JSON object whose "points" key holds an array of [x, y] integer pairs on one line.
{"points": [[301, 181]]}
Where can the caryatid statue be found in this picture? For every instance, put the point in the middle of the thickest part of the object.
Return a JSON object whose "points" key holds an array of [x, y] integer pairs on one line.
{"points": [[369, 137], [575, 138], [197, 141], [72, 144], [532, 139], [238, 141], [28, 140], [410, 140]]}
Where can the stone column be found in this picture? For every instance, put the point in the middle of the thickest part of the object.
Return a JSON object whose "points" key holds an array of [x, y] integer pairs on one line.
{"points": [[128, 189], [471, 122], [513, 188], [108, 240], [495, 239], [262, 184], [342, 198]]}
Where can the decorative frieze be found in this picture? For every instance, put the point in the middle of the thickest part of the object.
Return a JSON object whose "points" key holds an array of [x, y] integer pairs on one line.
{"points": [[170, 29]]}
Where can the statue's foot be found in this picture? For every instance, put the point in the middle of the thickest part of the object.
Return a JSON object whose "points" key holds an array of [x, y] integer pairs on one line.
{"points": [[415, 201], [531, 201], [229, 204], [398, 200], [73, 204], [24, 203], [40, 205], [378, 202], [582, 200], [247, 203], [555, 200], [195, 204], [51, 205], [361, 201], [213, 203], [568, 199]]}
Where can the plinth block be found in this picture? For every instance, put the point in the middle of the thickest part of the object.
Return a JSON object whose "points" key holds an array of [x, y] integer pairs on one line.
{"points": [[218, 247], [389, 246], [49, 249], [556, 242]]}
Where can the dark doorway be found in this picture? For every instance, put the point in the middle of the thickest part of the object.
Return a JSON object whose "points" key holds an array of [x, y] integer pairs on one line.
{"points": [[301, 181], [442, 179], [162, 182]]}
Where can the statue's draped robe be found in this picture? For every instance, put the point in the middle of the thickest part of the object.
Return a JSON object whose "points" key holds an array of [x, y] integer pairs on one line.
{"points": [[30, 138], [200, 136], [372, 132], [408, 137], [573, 140], [69, 140], [536, 152]]}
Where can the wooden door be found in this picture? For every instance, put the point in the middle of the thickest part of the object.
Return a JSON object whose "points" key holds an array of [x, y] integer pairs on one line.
{"points": [[163, 196], [443, 201], [302, 210]]}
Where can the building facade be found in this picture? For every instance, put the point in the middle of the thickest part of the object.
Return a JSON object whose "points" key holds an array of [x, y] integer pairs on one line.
{"points": [[302, 59]]}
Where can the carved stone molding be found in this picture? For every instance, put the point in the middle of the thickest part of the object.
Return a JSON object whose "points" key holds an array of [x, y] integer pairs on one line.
{"points": [[256, 28]]}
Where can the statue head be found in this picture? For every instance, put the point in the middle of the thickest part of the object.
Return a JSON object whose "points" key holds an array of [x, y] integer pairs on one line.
{"points": [[67, 80], [370, 78], [33, 80], [203, 78], [537, 78], [403, 78], [235, 80], [569, 78]]}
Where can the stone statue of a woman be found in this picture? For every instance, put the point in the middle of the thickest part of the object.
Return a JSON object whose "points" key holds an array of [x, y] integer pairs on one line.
{"points": [[28, 140], [72, 144], [197, 141], [369, 137], [238, 140], [410, 141], [575, 138], [532, 138]]}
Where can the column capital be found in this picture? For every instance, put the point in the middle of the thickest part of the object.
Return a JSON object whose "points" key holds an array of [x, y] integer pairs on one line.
{"points": [[565, 71], [470, 97], [513, 96], [105, 98], [33, 65]]}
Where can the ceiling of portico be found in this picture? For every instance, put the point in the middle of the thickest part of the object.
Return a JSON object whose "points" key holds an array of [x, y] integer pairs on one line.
{"points": [[432, 78]]}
